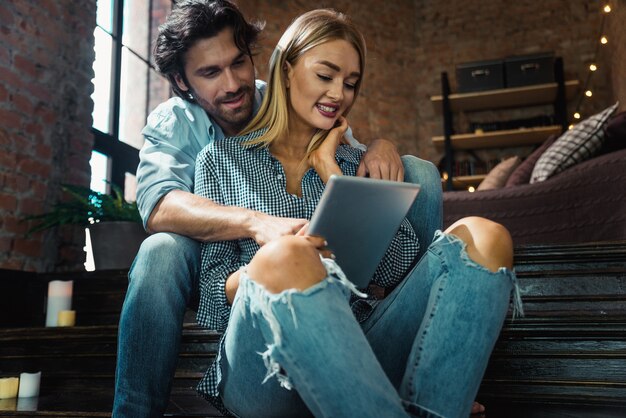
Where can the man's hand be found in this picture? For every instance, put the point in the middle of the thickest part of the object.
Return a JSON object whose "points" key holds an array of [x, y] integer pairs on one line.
{"points": [[381, 161], [266, 228]]}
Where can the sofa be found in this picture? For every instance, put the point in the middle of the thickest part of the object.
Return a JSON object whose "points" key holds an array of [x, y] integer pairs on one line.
{"points": [[583, 203]]}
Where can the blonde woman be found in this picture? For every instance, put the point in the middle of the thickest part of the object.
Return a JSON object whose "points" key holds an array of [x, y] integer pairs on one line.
{"points": [[298, 339]]}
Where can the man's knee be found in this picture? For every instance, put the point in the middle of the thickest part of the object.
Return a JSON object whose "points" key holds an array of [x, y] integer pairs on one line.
{"points": [[287, 263], [420, 171], [166, 260], [488, 243]]}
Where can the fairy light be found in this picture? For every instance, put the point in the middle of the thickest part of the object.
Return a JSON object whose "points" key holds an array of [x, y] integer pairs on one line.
{"points": [[570, 127], [593, 67], [471, 189]]}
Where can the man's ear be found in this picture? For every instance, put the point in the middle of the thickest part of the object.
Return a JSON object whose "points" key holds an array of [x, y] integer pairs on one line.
{"points": [[181, 83]]}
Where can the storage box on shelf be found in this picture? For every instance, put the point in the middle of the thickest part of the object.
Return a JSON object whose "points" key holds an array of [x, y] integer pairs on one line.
{"points": [[556, 93]]}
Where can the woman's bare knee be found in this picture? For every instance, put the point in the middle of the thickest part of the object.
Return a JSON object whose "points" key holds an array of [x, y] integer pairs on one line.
{"points": [[488, 243], [287, 263]]}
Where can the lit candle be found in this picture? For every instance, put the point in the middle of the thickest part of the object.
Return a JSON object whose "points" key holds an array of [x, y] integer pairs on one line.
{"points": [[29, 384], [8, 387], [66, 319], [59, 299]]}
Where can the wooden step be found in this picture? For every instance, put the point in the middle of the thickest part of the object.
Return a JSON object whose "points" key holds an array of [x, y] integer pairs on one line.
{"points": [[91, 351], [564, 359]]}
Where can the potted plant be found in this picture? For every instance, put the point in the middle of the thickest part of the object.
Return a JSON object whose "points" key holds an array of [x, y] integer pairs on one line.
{"points": [[115, 227]]}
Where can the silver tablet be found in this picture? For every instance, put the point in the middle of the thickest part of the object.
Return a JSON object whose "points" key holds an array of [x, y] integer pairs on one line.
{"points": [[359, 218]]}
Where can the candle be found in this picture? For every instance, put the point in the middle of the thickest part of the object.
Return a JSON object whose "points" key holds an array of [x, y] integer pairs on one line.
{"points": [[29, 384], [59, 299], [66, 319], [8, 387]]}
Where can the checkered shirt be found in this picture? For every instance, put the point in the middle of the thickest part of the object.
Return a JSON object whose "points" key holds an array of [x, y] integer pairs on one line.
{"points": [[231, 174]]}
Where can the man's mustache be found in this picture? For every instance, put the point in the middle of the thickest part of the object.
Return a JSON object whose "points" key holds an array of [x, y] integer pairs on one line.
{"points": [[230, 96]]}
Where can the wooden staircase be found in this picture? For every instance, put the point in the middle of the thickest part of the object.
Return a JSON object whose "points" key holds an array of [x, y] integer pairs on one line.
{"points": [[567, 358]]}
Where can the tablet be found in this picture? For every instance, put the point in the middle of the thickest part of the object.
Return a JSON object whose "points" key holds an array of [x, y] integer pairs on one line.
{"points": [[359, 218]]}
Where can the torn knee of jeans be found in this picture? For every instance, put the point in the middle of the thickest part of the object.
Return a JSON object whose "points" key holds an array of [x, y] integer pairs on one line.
{"points": [[450, 239], [274, 369]]}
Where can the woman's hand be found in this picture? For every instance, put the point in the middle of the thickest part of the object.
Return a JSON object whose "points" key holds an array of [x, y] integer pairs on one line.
{"points": [[323, 158], [319, 242]]}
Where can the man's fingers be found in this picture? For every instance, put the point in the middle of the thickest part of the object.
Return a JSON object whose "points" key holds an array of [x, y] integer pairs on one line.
{"points": [[361, 171], [400, 173]]}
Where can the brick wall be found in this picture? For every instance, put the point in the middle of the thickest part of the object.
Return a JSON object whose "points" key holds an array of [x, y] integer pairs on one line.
{"points": [[410, 43], [46, 55]]}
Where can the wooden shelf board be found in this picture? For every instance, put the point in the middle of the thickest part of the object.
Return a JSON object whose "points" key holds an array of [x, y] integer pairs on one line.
{"points": [[466, 181], [502, 98], [500, 139]]}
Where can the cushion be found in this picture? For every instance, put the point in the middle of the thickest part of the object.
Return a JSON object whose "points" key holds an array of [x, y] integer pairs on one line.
{"points": [[615, 134], [522, 173], [498, 175], [578, 144]]}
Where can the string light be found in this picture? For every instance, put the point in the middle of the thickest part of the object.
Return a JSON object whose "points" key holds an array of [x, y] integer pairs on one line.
{"points": [[593, 67], [570, 127], [471, 189]]}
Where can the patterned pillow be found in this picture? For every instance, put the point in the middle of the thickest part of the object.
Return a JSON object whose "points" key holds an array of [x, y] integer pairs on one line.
{"points": [[578, 144], [499, 174]]}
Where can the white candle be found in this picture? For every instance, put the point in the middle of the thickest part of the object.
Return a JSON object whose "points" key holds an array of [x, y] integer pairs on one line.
{"points": [[66, 319], [8, 387], [29, 384], [59, 299]]}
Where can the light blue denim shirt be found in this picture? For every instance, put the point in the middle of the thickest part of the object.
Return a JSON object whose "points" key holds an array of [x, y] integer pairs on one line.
{"points": [[175, 133]]}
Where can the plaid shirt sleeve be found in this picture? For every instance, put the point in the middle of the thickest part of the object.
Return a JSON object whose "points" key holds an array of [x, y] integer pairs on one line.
{"points": [[219, 259]]}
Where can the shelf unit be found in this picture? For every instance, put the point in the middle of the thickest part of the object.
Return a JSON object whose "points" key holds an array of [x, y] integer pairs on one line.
{"points": [[447, 103]]}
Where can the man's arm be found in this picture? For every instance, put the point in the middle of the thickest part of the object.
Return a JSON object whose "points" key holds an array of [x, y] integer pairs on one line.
{"points": [[197, 217]]}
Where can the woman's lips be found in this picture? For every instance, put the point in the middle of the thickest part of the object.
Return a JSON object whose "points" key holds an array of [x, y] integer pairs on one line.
{"points": [[327, 110]]}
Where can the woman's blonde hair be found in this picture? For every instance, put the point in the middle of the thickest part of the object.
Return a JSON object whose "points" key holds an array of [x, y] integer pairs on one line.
{"points": [[306, 32]]}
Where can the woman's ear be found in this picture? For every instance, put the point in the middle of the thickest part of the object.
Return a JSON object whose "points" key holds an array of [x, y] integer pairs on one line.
{"points": [[180, 82], [288, 71]]}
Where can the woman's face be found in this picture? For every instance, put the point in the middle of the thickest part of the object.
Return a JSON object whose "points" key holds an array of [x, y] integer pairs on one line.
{"points": [[321, 85]]}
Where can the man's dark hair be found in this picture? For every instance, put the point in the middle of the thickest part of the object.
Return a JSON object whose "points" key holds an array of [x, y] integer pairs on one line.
{"points": [[192, 20]]}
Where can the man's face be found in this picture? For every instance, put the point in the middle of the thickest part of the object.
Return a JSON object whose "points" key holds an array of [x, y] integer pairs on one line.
{"points": [[221, 79]]}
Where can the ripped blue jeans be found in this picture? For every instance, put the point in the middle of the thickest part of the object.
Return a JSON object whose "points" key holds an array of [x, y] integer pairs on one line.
{"points": [[422, 351]]}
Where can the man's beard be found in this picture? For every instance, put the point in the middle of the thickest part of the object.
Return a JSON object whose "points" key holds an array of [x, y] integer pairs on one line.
{"points": [[234, 119]]}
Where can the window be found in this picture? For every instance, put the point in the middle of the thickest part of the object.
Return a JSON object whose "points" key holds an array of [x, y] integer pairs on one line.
{"points": [[126, 87]]}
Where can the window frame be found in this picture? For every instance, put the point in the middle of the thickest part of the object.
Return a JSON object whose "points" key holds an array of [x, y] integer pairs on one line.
{"points": [[123, 158]]}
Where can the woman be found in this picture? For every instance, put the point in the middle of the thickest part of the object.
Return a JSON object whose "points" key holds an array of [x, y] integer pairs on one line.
{"points": [[296, 342]]}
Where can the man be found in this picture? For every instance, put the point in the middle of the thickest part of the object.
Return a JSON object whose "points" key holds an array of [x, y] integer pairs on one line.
{"points": [[214, 79]]}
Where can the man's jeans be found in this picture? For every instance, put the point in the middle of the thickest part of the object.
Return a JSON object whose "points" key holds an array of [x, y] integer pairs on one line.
{"points": [[422, 352], [164, 276]]}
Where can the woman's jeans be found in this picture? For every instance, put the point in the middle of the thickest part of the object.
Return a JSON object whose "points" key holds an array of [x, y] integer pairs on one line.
{"points": [[163, 278], [422, 352]]}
